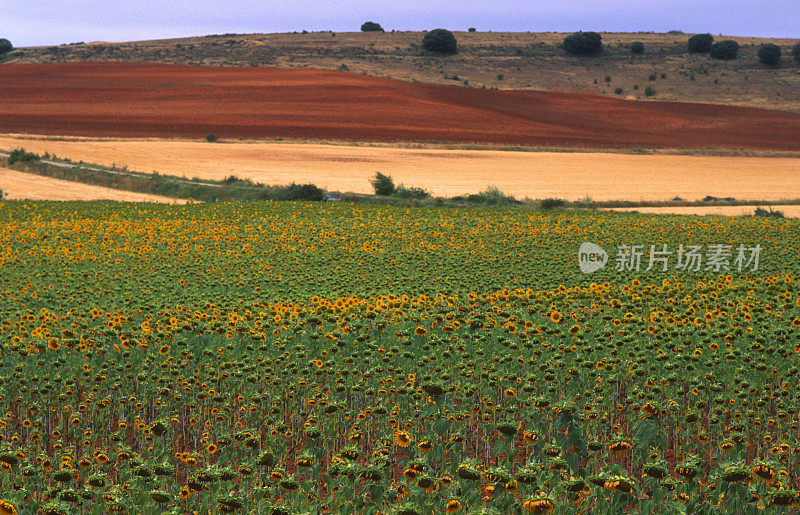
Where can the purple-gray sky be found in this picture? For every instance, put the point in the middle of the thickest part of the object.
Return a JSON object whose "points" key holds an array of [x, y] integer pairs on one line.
{"points": [[52, 22]]}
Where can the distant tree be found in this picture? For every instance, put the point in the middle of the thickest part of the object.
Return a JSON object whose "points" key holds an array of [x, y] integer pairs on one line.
{"points": [[583, 43], [769, 54], [726, 50], [211, 137], [382, 184], [472, 29], [5, 46], [371, 26], [637, 47], [796, 53], [440, 40], [700, 43]]}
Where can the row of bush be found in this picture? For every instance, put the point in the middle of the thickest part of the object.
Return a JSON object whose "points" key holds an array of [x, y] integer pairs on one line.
{"points": [[384, 186], [590, 43], [230, 189]]}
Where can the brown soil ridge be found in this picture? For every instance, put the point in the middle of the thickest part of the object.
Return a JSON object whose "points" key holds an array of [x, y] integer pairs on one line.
{"points": [[146, 100]]}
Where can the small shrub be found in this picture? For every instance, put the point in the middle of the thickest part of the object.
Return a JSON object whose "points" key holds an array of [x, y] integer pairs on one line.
{"points": [[768, 213], [301, 192], [724, 50], [618, 91], [653, 76], [441, 41], [700, 43], [500, 76], [211, 137], [649, 91], [382, 184], [637, 47], [584, 43], [796, 53], [5, 46], [769, 54], [552, 203], [21, 156], [371, 26], [413, 192], [607, 78]]}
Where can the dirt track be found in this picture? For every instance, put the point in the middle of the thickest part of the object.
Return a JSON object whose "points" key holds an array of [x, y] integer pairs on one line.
{"points": [[602, 176], [129, 99], [26, 186]]}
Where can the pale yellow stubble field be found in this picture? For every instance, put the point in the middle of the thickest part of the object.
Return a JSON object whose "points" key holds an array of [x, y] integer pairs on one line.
{"points": [[25, 186], [444, 172]]}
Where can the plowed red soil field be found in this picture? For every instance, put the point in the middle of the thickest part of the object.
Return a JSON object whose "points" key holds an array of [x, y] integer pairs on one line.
{"points": [[125, 99]]}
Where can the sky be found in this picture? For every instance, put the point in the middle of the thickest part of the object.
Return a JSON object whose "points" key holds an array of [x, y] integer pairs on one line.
{"points": [[54, 22]]}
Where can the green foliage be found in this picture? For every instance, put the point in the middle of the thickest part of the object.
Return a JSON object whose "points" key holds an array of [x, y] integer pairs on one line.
{"points": [[584, 43], [700, 43], [769, 54], [472, 29], [491, 196], [441, 41], [637, 47], [19, 155], [412, 192], [796, 53], [211, 137], [618, 91], [5, 46], [725, 50], [382, 184], [371, 26], [649, 91], [768, 213], [552, 203], [308, 192], [232, 188]]}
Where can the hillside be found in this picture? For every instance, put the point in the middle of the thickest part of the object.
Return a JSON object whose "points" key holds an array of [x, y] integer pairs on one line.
{"points": [[527, 61], [152, 100]]}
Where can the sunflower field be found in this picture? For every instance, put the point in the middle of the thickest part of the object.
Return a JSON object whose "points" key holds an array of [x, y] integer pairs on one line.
{"points": [[286, 358]]}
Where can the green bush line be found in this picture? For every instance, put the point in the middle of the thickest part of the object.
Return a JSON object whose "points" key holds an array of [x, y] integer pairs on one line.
{"points": [[230, 189]]}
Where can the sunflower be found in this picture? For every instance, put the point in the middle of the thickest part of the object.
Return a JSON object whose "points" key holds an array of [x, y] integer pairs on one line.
{"points": [[6, 508], [556, 317], [410, 473], [164, 350], [453, 506], [402, 438], [420, 331], [425, 446], [538, 505], [620, 445], [530, 438], [510, 393], [211, 448]]}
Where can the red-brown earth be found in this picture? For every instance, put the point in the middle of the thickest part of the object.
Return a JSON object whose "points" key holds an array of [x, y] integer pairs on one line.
{"points": [[157, 100]]}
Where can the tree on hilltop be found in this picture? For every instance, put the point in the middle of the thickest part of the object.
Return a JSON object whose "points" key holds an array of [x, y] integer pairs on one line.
{"points": [[371, 26]]}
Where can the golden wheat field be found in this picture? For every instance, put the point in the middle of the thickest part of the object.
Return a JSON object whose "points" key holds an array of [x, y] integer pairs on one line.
{"points": [[25, 186], [443, 172]]}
